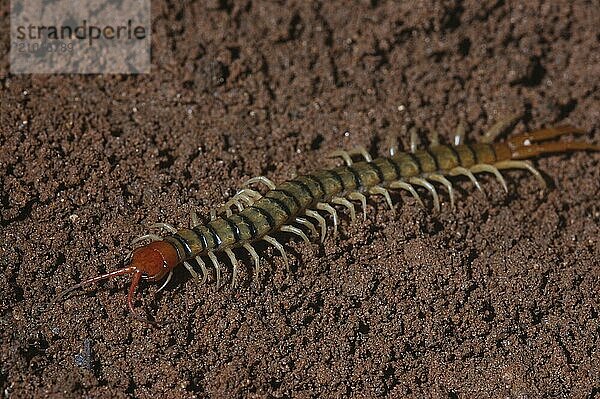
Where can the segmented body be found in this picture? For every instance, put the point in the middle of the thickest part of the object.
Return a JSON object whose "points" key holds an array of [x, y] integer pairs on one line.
{"points": [[288, 206], [290, 199]]}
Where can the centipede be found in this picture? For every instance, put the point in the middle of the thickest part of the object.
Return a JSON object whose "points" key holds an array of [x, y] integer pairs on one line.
{"points": [[300, 205]]}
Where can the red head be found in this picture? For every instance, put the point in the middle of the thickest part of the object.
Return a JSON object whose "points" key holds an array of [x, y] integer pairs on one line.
{"points": [[151, 262]]}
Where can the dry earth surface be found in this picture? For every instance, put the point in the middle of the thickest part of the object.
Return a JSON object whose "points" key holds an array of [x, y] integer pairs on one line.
{"points": [[497, 299]]}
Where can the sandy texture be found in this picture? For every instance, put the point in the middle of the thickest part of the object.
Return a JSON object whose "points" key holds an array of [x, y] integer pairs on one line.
{"points": [[498, 299]]}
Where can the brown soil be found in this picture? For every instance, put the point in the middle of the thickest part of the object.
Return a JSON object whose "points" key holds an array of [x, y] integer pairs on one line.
{"points": [[497, 299]]}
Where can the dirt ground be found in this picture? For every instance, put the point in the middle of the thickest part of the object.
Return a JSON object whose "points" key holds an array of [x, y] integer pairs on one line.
{"points": [[497, 299]]}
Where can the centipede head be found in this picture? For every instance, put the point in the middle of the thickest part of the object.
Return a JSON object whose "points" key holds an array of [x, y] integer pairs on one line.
{"points": [[150, 262]]}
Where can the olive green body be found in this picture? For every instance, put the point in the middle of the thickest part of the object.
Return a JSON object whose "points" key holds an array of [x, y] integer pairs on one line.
{"points": [[292, 198]]}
